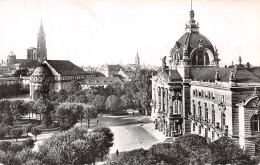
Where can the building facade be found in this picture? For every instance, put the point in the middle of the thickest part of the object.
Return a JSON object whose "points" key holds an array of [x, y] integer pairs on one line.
{"points": [[192, 94], [58, 72]]}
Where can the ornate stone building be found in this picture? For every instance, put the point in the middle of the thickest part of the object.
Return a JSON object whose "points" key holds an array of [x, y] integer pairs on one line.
{"points": [[192, 94]]}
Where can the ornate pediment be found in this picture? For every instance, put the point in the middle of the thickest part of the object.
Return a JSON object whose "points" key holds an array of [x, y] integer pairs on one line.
{"points": [[162, 78], [253, 103]]}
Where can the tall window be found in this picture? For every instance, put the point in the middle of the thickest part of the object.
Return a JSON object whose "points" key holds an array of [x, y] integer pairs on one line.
{"points": [[194, 109], [193, 126], [206, 111], [223, 120], [200, 129], [213, 114], [200, 113], [206, 132], [255, 123]]}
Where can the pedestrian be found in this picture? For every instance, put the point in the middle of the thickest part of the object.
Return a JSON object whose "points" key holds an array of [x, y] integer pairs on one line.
{"points": [[117, 152], [133, 112], [97, 121]]}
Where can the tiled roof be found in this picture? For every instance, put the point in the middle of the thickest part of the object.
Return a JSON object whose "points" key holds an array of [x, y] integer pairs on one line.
{"points": [[65, 67], [174, 75], [241, 75], [102, 80]]}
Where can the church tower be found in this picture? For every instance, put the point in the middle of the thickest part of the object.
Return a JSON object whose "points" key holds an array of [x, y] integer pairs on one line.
{"points": [[41, 44], [137, 60]]}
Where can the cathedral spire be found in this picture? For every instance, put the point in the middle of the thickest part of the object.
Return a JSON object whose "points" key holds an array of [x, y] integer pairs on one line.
{"points": [[41, 44]]}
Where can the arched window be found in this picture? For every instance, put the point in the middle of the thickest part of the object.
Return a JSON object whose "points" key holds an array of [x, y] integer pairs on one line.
{"points": [[255, 123]]}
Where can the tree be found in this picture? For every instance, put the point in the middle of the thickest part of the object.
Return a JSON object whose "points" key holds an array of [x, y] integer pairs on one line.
{"points": [[16, 133], [193, 148], [2, 132], [65, 116], [225, 151], [7, 130], [77, 108], [166, 152], [74, 146], [113, 103], [35, 131], [115, 89], [138, 156], [126, 102], [28, 157], [8, 119], [27, 128], [106, 140], [29, 143], [74, 86], [91, 93], [18, 109], [99, 102], [4, 145], [15, 148], [62, 95], [89, 112], [9, 158]]}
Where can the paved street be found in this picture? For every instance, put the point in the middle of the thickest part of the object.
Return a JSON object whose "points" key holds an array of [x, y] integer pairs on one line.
{"points": [[130, 132]]}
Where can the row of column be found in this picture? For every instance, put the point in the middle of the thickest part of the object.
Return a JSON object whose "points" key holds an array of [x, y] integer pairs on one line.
{"points": [[168, 102]]}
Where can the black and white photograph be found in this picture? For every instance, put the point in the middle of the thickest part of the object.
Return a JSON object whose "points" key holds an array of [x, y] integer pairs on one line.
{"points": [[129, 82]]}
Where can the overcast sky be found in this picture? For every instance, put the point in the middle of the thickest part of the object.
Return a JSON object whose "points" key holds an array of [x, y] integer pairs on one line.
{"points": [[89, 32]]}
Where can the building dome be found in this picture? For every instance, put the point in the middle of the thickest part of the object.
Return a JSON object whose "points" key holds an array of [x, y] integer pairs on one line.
{"points": [[193, 48], [192, 41]]}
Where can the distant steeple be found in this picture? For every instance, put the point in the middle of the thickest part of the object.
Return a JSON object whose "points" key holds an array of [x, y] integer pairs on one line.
{"points": [[239, 60], [41, 44], [137, 60]]}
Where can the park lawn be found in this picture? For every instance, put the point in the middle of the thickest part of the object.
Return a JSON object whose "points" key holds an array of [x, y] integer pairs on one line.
{"points": [[35, 123]]}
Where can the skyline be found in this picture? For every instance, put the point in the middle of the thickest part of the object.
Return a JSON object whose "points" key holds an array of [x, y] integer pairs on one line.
{"points": [[97, 32]]}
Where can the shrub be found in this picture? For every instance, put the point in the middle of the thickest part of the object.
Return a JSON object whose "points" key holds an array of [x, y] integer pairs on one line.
{"points": [[15, 148], [7, 130], [16, 133], [4, 145], [29, 143]]}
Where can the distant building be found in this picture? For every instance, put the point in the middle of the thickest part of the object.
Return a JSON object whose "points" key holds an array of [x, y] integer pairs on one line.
{"points": [[11, 59], [109, 70], [32, 53], [100, 81], [128, 75], [58, 72], [10, 80]]}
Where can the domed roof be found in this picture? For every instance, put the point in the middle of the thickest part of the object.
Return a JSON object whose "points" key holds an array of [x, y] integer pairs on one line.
{"points": [[41, 70], [192, 41]]}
